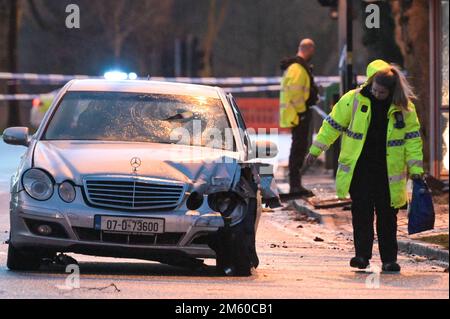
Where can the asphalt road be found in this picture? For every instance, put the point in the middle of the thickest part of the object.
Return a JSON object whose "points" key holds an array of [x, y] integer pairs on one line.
{"points": [[293, 265]]}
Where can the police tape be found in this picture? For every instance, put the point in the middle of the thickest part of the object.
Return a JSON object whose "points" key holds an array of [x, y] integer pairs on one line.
{"points": [[248, 89], [21, 97], [260, 84], [55, 78], [43, 77], [243, 89], [204, 80]]}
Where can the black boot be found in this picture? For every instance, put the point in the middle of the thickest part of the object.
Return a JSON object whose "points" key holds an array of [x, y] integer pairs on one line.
{"points": [[359, 262], [391, 267], [306, 192]]}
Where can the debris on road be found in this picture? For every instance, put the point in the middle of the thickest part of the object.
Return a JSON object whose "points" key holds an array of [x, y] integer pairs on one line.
{"points": [[301, 217], [318, 239], [64, 260], [330, 203], [103, 288], [419, 259]]}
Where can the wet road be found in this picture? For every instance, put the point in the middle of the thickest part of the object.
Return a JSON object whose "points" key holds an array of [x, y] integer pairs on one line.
{"points": [[298, 259]]}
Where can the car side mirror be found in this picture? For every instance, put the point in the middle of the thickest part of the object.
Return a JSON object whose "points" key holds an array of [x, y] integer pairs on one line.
{"points": [[16, 136], [265, 149]]}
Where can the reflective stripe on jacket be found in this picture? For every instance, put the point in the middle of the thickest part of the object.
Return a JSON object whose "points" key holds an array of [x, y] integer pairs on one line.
{"points": [[350, 118]]}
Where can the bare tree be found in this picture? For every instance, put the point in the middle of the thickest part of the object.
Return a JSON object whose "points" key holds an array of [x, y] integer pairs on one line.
{"points": [[121, 18], [412, 36], [216, 17]]}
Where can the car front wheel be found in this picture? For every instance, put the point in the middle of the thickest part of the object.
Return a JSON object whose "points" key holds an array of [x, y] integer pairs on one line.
{"points": [[236, 249], [21, 260]]}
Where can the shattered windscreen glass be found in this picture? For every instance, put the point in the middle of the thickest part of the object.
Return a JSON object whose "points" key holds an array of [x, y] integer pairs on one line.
{"points": [[137, 117]]}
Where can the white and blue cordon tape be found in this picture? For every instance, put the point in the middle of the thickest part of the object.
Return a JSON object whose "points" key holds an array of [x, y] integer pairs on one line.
{"points": [[241, 84]]}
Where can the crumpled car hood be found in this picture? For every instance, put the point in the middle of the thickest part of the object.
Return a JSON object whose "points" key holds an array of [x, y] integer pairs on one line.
{"points": [[71, 160]]}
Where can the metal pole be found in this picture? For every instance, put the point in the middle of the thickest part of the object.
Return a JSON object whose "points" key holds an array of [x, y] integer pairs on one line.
{"points": [[13, 109], [349, 61], [189, 55], [342, 40], [177, 57]]}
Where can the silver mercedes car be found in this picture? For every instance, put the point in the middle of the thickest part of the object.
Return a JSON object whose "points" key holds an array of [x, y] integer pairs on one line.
{"points": [[140, 169]]}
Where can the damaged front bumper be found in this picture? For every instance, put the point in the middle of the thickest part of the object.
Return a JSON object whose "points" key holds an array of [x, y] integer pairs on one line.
{"points": [[187, 231], [73, 230]]}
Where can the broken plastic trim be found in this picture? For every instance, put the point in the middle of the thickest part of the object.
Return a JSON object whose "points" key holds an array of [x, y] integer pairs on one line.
{"points": [[224, 202]]}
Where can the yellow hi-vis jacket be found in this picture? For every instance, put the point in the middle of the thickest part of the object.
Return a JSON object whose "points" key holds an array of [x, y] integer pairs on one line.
{"points": [[46, 103], [403, 145], [295, 88]]}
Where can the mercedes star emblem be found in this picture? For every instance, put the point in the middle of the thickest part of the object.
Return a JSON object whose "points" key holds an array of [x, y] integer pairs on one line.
{"points": [[135, 163]]}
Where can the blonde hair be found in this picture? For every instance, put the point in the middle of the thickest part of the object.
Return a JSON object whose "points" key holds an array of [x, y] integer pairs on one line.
{"points": [[393, 79]]}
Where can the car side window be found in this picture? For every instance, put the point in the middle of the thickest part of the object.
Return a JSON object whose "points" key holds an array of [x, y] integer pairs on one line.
{"points": [[240, 120]]}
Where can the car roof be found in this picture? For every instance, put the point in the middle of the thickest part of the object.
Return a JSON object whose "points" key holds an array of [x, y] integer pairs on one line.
{"points": [[140, 86]]}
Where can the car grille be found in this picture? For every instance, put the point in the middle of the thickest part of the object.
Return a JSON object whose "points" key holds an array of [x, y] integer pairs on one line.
{"points": [[89, 234], [133, 193]]}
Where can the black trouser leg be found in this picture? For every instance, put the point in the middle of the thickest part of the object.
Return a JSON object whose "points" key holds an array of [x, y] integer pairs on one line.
{"points": [[362, 220], [370, 192], [299, 149], [386, 226]]}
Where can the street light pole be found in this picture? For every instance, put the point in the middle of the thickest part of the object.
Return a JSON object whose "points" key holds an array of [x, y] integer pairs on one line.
{"points": [[345, 16], [349, 37]]}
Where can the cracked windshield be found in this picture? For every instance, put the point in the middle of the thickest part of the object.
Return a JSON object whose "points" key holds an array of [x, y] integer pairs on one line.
{"points": [[131, 117]]}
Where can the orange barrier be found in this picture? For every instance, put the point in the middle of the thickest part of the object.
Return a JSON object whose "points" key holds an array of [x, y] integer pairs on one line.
{"points": [[260, 113]]}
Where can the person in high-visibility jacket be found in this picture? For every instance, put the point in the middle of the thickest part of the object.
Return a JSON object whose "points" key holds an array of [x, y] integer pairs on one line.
{"points": [[298, 92], [381, 146], [39, 108]]}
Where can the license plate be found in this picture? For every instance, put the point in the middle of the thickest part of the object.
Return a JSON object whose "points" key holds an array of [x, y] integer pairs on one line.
{"points": [[130, 225]]}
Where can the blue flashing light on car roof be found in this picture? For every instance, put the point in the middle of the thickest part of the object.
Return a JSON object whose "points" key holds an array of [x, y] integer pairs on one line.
{"points": [[115, 75], [132, 76]]}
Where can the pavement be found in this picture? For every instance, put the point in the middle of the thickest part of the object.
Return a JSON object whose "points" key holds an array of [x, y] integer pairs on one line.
{"points": [[322, 183]]}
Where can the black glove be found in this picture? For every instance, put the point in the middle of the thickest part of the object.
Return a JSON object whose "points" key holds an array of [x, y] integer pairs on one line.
{"points": [[417, 177]]}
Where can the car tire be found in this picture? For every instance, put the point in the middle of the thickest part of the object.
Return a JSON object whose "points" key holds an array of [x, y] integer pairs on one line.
{"points": [[22, 261], [236, 251]]}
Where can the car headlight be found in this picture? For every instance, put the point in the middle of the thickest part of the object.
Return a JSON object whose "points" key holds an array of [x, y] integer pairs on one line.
{"points": [[67, 192], [223, 202], [38, 184]]}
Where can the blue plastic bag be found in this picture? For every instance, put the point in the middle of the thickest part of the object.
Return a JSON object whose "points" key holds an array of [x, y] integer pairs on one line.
{"points": [[420, 211]]}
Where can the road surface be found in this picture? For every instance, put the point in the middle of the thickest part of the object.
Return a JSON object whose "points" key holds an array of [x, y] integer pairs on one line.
{"points": [[298, 259]]}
